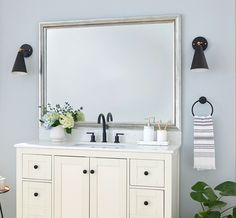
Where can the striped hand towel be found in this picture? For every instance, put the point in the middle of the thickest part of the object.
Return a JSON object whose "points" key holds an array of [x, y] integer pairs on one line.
{"points": [[204, 146]]}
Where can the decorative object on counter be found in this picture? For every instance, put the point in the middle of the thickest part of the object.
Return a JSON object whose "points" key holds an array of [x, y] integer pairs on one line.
{"points": [[211, 199], [148, 131], [162, 136], [60, 119], [57, 134], [117, 138], [3, 189], [204, 144], [19, 67], [199, 60]]}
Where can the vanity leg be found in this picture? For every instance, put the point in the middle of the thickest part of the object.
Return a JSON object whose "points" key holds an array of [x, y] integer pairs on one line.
{"points": [[1, 210]]}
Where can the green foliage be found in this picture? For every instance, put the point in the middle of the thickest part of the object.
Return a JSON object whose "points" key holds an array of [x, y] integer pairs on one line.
{"points": [[227, 188], [68, 130], [210, 199], [56, 123]]}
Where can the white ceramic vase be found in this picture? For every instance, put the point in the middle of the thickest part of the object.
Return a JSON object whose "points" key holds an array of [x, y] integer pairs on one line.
{"points": [[57, 134]]}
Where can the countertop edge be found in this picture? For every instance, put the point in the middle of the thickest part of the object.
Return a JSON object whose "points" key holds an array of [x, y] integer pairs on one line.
{"points": [[170, 149]]}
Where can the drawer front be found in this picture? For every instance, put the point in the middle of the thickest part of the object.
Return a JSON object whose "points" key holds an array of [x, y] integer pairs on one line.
{"points": [[147, 173], [37, 201], [37, 167], [146, 203]]}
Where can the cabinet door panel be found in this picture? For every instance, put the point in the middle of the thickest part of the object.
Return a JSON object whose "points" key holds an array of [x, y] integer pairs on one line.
{"points": [[37, 200], [146, 203], [147, 173], [71, 187], [108, 187], [37, 166]]}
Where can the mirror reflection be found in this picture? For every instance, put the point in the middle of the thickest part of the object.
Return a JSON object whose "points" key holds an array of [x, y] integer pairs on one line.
{"points": [[128, 69]]}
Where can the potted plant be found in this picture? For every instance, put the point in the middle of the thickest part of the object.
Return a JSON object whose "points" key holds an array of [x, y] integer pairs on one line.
{"points": [[212, 200], [61, 119]]}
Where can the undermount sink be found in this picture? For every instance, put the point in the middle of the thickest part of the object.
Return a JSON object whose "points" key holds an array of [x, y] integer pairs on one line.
{"points": [[122, 146], [102, 145]]}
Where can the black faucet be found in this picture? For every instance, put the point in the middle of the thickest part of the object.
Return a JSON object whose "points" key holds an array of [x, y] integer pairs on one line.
{"points": [[104, 127], [109, 117]]}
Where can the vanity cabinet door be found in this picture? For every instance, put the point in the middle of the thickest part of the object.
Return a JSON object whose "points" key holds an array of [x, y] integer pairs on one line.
{"points": [[71, 187], [147, 173], [146, 203], [108, 188], [37, 166], [36, 200]]}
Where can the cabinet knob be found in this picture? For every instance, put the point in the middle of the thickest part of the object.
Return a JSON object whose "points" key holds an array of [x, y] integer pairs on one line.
{"points": [[36, 167], [85, 171], [145, 203], [36, 194], [92, 171], [146, 173]]}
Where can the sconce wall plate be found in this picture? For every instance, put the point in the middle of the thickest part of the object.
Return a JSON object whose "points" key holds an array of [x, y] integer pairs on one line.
{"points": [[200, 41], [27, 50]]}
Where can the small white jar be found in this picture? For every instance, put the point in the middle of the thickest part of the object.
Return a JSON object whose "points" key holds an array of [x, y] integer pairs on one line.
{"points": [[148, 133], [162, 136], [2, 183]]}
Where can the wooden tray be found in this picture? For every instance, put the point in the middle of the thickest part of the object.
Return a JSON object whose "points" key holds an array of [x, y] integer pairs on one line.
{"points": [[153, 143]]}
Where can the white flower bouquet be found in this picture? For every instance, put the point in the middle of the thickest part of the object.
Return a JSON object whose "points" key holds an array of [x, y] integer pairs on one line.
{"points": [[62, 115]]}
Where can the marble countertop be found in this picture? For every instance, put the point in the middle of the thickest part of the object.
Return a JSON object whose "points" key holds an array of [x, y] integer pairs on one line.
{"points": [[125, 147]]}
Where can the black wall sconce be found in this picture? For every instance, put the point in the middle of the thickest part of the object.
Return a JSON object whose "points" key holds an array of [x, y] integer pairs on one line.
{"points": [[19, 67], [199, 60]]}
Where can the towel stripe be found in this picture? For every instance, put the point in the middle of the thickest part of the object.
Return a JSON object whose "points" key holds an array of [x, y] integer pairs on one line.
{"points": [[204, 145]]}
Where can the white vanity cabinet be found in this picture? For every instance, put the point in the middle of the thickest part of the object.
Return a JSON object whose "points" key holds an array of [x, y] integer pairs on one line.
{"points": [[66, 181], [90, 187]]}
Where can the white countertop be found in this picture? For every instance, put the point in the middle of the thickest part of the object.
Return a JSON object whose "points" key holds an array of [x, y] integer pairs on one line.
{"points": [[129, 147]]}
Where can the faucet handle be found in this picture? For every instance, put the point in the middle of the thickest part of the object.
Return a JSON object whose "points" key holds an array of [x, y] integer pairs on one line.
{"points": [[93, 139], [117, 138]]}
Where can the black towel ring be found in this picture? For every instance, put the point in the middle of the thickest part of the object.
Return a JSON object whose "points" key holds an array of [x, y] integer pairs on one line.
{"points": [[203, 100]]}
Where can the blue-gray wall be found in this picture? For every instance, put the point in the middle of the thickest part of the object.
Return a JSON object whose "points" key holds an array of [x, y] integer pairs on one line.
{"points": [[212, 19]]}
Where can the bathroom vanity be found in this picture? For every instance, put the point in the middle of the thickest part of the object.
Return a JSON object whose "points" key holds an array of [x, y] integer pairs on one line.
{"points": [[130, 67], [97, 180]]}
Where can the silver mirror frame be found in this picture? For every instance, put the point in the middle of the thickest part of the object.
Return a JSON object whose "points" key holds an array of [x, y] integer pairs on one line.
{"points": [[176, 19]]}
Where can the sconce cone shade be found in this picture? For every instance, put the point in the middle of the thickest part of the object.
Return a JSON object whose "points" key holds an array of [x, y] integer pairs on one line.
{"points": [[199, 59], [19, 65]]}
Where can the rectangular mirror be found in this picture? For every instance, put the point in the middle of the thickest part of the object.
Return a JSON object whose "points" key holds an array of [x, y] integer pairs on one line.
{"points": [[130, 67]]}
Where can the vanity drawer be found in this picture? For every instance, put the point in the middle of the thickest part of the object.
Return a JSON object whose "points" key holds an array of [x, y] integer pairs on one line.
{"points": [[146, 203], [147, 173], [37, 200], [37, 167]]}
